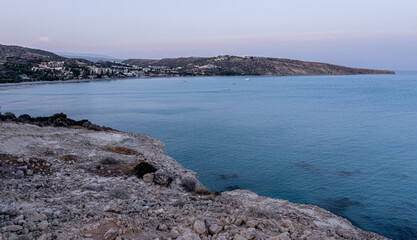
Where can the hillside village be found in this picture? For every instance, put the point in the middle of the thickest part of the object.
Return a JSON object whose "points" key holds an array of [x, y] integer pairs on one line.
{"points": [[19, 64]]}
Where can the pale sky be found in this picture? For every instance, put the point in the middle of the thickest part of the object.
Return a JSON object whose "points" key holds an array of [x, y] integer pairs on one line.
{"points": [[358, 33]]}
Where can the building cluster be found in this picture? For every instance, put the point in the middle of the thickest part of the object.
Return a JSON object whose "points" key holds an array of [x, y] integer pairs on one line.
{"points": [[51, 65], [68, 70]]}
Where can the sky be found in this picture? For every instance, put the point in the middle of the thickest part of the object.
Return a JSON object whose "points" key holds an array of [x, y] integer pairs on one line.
{"points": [[358, 33]]}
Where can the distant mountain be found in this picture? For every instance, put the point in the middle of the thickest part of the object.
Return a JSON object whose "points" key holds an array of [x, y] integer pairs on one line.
{"points": [[233, 65], [89, 57]]}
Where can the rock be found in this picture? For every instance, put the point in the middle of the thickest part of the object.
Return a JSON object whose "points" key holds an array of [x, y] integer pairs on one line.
{"points": [[282, 236], [112, 207], [221, 238], [222, 222], [148, 177], [162, 177], [48, 212], [111, 234], [214, 228], [249, 233], [199, 227], [8, 208], [43, 225], [239, 237], [36, 217], [251, 223], [8, 116], [12, 228], [24, 118], [29, 172], [20, 174], [174, 233], [21, 222], [286, 223], [188, 234], [162, 227]]}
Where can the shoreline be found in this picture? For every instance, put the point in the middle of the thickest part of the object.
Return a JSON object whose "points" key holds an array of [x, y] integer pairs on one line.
{"points": [[150, 77], [173, 201]]}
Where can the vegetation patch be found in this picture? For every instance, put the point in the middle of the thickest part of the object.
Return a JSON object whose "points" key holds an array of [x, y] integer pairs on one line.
{"points": [[203, 191], [109, 161], [122, 150], [188, 184], [36, 165], [68, 158]]}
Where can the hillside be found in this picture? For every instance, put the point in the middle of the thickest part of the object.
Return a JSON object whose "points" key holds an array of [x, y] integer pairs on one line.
{"points": [[16, 54], [18, 64], [233, 65]]}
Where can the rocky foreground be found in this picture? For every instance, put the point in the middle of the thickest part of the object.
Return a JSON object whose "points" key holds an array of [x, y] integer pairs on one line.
{"points": [[65, 179]]}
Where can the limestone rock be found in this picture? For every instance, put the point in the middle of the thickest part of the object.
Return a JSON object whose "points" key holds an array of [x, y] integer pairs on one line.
{"points": [[214, 228], [12, 228], [112, 207], [239, 237], [43, 225], [249, 233], [199, 227], [148, 177], [162, 227], [174, 234], [111, 234]]}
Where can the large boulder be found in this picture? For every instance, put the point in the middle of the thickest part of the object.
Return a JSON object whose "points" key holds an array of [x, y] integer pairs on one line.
{"points": [[163, 177]]}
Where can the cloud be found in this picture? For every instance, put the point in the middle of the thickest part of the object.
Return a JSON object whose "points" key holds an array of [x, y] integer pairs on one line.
{"points": [[45, 39]]}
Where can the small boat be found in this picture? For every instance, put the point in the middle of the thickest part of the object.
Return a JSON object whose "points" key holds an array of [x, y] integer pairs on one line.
{"points": [[247, 79]]}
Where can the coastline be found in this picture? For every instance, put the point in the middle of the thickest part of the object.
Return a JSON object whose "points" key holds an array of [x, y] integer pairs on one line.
{"points": [[168, 202], [150, 77]]}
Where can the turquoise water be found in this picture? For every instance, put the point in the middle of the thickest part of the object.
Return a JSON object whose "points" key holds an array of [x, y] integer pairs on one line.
{"points": [[345, 143]]}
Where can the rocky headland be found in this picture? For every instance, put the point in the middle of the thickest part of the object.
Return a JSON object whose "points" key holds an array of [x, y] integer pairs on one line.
{"points": [[66, 179]]}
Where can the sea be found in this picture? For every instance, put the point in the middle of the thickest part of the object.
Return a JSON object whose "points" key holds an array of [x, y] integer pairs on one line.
{"points": [[345, 143]]}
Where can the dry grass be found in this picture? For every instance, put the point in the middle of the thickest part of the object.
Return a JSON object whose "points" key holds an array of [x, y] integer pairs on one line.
{"points": [[211, 197], [37, 165], [68, 158], [122, 150], [202, 191]]}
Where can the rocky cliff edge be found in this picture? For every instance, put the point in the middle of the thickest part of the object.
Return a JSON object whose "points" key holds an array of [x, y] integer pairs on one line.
{"points": [[75, 180]]}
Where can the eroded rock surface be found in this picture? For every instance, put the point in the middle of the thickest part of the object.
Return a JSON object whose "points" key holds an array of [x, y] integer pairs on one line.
{"points": [[80, 183]]}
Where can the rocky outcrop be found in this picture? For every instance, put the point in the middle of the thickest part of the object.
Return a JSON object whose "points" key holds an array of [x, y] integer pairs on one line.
{"points": [[76, 183], [56, 120]]}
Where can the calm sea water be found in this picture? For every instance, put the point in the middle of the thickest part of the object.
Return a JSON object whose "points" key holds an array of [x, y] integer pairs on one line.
{"points": [[345, 143]]}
